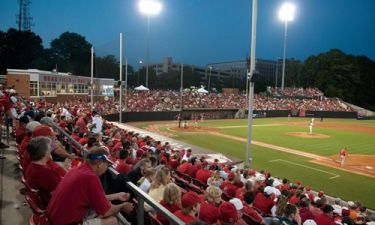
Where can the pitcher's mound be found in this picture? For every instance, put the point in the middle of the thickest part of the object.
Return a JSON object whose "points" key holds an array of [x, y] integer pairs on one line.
{"points": [[307, 135]]}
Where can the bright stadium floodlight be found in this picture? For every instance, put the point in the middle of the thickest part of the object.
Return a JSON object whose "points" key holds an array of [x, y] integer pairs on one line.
{"points": [[287, 11], [149, 7], [286, 14]]}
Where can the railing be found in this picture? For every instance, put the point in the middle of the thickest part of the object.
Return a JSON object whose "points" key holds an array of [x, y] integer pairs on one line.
{"points": [[141, 196]]}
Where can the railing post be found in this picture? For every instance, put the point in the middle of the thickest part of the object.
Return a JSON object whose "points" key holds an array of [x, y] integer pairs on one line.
{"points": [[140, 211]]}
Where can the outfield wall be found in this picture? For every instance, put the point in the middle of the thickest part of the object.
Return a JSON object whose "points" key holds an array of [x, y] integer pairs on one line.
{"points": [[218, 114]]}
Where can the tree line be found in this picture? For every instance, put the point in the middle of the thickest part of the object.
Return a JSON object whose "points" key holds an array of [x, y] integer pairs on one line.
{"points": [[349, 77]]}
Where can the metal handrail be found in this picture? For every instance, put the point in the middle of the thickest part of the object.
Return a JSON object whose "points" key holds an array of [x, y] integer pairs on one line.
{"points": [[142, 197]]}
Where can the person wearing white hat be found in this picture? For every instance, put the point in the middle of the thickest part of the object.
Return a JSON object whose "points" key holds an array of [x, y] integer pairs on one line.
{"points": [[264, 201]]}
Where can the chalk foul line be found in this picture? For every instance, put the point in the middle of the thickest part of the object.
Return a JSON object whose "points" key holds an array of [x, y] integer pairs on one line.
{"points": [[309, 167]]}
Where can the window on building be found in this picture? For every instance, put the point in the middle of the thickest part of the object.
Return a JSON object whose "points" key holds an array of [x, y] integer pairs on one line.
{"points": [[33, 88]]}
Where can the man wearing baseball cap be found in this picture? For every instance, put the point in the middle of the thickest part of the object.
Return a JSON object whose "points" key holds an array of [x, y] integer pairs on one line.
{"points": [[228, 215], [263, 201], [81, 192], [190, 203]]}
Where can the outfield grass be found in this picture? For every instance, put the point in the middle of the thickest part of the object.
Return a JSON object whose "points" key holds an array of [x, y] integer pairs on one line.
{"points": [[347, 186]]}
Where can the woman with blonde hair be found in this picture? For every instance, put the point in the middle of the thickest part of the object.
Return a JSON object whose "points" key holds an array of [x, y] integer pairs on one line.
{"points": [[171, 201], [209, 210], [278, 209], [162, 178], [147, 179]]}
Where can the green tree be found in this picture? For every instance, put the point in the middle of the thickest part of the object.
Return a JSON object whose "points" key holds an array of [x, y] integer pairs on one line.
{"points": [[19, 50], [71, 53]]}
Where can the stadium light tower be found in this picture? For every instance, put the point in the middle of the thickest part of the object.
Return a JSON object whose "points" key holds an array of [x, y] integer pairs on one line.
{"points": [[286, 14], [149, 7]]}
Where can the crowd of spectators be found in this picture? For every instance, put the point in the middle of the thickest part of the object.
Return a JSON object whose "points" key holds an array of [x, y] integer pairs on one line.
{"points": [[192, 188], [295, 92], [161, 100]]}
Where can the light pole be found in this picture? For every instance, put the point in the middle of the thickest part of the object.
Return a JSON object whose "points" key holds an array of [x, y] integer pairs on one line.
{"points": [[286, 14], [149, 7], [209, 79], [139, 72]]}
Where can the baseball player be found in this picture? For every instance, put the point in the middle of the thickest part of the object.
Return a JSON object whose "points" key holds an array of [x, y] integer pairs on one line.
{"points": [[343, 154], [311, 124]]}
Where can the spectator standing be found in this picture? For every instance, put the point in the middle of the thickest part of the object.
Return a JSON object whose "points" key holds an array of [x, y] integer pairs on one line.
{"points": [[97, 123]]}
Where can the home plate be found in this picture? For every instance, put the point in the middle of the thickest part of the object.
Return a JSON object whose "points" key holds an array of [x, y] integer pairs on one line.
{"points": [[369, 167]]}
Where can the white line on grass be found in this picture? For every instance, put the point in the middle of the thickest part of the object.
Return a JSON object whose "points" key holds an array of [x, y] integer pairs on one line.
{"points": [[309, 167]]}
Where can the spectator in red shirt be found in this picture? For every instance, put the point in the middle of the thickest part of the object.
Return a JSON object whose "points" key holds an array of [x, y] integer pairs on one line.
{"points": [[209, 209], [122, 167], [326, 218], [304, 210], [228, 186], [193, 168], [241, 191], [190, 207], [81, 192], [249, 210], [228, 215], [171, 201], [21, 129], [204, 173], [39, 175], [263, 201], [82, 123]]}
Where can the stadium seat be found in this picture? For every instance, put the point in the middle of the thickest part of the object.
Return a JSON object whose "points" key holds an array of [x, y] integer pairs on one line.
{"points": [[249, 220], [153, 219], [200, 184], [37, 219], [34, 205]]}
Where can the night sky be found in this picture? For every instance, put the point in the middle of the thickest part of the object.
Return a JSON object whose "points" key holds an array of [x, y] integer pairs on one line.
{"points": [[205, 31]]}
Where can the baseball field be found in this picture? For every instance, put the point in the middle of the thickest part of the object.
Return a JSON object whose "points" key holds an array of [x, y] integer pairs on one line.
{"points": [[285, 148]]}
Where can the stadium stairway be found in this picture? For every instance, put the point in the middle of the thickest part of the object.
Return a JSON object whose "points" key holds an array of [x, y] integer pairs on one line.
{"points": [[14, 209]]}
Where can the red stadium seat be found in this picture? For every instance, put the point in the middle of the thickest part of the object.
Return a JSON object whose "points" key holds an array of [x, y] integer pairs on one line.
{"points": [[249, 220], [153, 219]]}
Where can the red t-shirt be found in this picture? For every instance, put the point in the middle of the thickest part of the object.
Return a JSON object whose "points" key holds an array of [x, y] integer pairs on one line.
{"points": [[23, 146], [323, 219], [229, 188], [122, 167], [208, 213], [248, 210], [202, 175], [20, 134], [263, 203], [5, 102], [183, 217], [171, 208], [183, 168], [79, 192], [240, 193], [42, 178], [192, 171], [81, 123], [343, 152]]}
